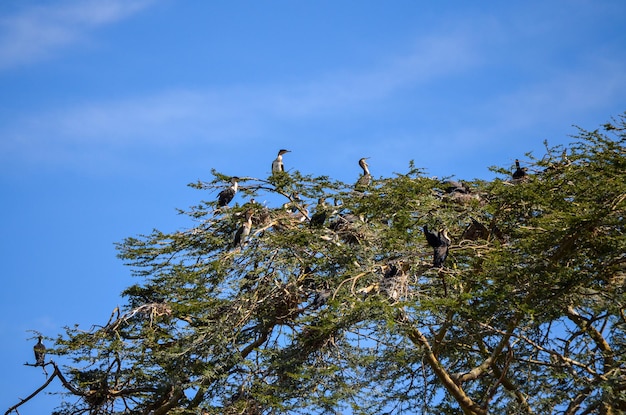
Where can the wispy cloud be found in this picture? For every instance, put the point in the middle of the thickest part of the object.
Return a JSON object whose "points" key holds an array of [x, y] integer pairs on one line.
{"points": [[38, 32], [175, 117], [436, 64]]}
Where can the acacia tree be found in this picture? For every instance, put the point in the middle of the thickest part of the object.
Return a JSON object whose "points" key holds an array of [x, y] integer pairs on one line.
{"points": [[336, 307]]}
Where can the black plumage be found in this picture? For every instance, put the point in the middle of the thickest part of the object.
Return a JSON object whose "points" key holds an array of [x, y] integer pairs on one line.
{"points": [[319, 217], [440, 242], [391, 271], [244, 230], [40, 352], [452, 186], [226, 195], [520, 172], [321, 298]]}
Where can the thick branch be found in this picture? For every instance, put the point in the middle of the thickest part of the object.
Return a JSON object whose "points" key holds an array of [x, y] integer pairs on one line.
{"points": [[595, 335], [468, 406], [487, 363], [32, 395], [175, 394], [56, 373], [197, 399]]}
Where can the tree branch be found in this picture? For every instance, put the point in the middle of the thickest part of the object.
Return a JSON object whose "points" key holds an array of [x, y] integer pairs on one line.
{"points": [[468, 406]]}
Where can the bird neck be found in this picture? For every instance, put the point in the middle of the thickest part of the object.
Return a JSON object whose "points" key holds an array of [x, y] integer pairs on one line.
{"points": [[446, 238]]}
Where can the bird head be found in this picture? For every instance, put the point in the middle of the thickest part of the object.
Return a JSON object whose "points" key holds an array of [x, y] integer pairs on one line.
{"points": [[362, 161], [283, 151]]}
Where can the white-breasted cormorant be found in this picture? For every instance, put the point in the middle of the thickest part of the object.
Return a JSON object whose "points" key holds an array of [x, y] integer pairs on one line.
{"points": [[226, 195], [440, 243], [277, 164]]}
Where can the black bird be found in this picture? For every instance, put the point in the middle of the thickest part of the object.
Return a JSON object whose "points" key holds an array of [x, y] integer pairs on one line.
{"points": [[277, 164], [40, 352], [440, 243], [244, 230], [226, 195], [366, 177], [453, 186], [319, 217], [520, 172], [475, 231], [391, 271], [321, 297]]}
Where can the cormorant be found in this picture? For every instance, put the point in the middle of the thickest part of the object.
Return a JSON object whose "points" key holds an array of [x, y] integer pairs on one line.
{"points": [[319, 217], [459, 192], [391, 271], [321, 297], [277, 164], [226, 195], [475, 231], [40, 352], [440, 243], [366, 177], [453, 186], [520, 172], [244, 230]]}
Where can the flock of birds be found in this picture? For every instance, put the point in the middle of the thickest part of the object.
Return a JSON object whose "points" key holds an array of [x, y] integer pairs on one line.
{"points": [[439, 241]]}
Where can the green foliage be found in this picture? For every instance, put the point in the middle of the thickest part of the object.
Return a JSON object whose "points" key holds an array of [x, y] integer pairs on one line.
{"points": [[526, 316]]}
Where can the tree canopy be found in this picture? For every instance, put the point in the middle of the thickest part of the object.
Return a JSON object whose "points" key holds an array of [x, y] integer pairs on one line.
{"points": [[330, 301]]}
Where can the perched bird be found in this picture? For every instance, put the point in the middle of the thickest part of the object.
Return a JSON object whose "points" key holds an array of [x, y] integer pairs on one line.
{"points": [[321, 297], [244, 230], [226, 195], [390, 271], [319, 217], [440, 243], [520, 172], [452, 186], [475, 231], [40, 352], [277, 164], [366, 177]]}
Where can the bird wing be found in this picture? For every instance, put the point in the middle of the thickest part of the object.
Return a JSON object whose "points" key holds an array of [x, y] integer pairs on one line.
{"points": [[225, 196], [432, 238]]}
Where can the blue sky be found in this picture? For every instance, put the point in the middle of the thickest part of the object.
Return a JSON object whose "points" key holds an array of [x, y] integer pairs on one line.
{"points": [[108, 108]]}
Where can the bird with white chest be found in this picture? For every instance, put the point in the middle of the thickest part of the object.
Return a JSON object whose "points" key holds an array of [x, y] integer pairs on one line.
{"points": [[277, 164]]}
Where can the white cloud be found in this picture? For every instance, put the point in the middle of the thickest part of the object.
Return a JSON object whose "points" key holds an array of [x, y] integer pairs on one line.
{"points": [[246, 113], [177, 116], [38, 32]]}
